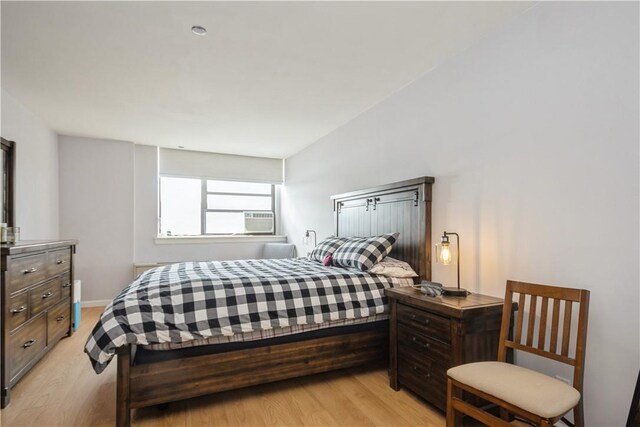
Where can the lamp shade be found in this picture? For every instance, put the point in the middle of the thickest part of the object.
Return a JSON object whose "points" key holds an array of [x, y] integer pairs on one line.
{"points": [[445, 255], [445, 251]]}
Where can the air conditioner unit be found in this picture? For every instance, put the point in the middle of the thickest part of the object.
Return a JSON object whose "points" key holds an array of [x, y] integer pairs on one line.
{"points": [[258, 222]]}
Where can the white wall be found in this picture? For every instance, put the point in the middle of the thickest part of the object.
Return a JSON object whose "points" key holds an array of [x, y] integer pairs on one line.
{"points": [[96, 207], [36, 189], [108, 201], [532, 136]]}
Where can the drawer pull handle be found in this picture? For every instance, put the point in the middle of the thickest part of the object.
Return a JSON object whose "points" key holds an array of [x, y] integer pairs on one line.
{"points": [[423, 344], [414, 317], [30, 270], [66, 285], [29, 343], [47, 295], [417, 370], [18, 310], [60, 318], [60, 261]]}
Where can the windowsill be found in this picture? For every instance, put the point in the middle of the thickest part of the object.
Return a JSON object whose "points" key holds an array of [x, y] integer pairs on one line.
{"points": [[182, 240]]}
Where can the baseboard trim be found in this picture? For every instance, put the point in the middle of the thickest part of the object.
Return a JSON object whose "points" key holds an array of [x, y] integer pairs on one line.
{"points": [[96, 303]]}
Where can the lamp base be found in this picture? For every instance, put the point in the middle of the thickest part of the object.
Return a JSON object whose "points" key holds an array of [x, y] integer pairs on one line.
{"points": [[454, 292]]}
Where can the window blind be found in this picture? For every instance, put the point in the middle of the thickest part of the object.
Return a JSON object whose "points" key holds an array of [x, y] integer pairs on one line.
{"points": [[197, 164]]}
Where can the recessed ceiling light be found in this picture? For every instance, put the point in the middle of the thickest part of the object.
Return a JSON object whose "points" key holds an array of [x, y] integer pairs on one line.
{"points": [[198, 30]]}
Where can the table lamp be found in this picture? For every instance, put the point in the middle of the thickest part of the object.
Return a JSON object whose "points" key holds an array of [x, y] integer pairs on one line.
{"points": [[307, 237], [444, 257]]}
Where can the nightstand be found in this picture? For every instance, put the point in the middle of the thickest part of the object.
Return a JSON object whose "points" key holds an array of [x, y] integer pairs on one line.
{"points": [[429, 335]]}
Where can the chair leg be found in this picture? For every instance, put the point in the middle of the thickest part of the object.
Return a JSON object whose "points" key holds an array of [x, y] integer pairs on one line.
{"points": [[453, 417], [578, 415]]}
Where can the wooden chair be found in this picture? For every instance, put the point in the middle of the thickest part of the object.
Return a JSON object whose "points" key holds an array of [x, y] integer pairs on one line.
{"points": [[524, 393]]}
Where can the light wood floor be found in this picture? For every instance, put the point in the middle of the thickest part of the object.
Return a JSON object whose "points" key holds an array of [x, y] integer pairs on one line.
{"points": [[63, 390]]}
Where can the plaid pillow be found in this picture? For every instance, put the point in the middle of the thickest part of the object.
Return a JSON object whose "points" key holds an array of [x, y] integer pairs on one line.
{"points": [[327, 247], [363, 253]]}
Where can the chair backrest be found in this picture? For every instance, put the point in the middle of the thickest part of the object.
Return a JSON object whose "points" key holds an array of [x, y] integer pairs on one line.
{"points": [[555, 346]]}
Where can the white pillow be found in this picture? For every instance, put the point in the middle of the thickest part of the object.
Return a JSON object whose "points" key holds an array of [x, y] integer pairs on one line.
{"points": [[391, 267]]}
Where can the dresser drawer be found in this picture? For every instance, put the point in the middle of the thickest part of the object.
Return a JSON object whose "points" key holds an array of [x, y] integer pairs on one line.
{"points": [[424, 377], [58, 261], [26, 343], [58, 321], [26, 271], [18, 310], [44, 296], [430, 324], [65, 285], [423, 347]]}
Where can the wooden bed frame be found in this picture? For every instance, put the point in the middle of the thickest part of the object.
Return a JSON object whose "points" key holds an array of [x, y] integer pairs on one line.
{"points": [[404, 206]]}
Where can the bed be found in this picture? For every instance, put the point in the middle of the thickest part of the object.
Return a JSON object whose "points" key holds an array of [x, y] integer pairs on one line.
{"points": [[346, 327]]}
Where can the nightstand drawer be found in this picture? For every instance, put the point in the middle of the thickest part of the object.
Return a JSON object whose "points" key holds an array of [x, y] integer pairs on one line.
{"points": [[432, 325], [429, 335], [424, 377], [410, 341]]}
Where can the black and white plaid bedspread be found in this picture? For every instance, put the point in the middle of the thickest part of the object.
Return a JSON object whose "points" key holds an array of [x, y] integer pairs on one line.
{"points": [[197, 300]]}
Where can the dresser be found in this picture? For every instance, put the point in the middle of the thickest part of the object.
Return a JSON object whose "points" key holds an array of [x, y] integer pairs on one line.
{"points": [[36, 300], [429, 335]]}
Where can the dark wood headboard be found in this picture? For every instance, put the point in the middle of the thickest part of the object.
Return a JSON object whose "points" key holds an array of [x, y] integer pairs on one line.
{"points": [[403, 206]]}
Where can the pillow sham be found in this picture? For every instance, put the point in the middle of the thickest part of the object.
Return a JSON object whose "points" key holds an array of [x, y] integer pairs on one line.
{"points": [[363, 253], [327, 247], [391, 267]]}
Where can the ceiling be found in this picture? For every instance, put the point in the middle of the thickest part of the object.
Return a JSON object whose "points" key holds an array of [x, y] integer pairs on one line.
{"points": [[269, 78]]}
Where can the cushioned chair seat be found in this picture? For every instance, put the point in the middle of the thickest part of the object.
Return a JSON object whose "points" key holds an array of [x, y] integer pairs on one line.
{"points": [[529, 390]]}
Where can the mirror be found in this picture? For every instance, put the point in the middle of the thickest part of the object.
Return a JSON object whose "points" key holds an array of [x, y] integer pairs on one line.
{"points": [[634, 412], [6, 187]]}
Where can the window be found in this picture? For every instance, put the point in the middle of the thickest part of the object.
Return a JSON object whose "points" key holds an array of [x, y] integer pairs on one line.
{"points": [[194, 206]]}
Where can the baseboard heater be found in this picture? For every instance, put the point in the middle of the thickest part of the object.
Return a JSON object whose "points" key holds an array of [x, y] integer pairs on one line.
{"points": [[140, 268]]}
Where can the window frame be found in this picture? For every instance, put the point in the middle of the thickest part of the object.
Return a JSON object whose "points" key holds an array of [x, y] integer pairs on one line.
{"points": [[204, 192], [204, 208]]}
